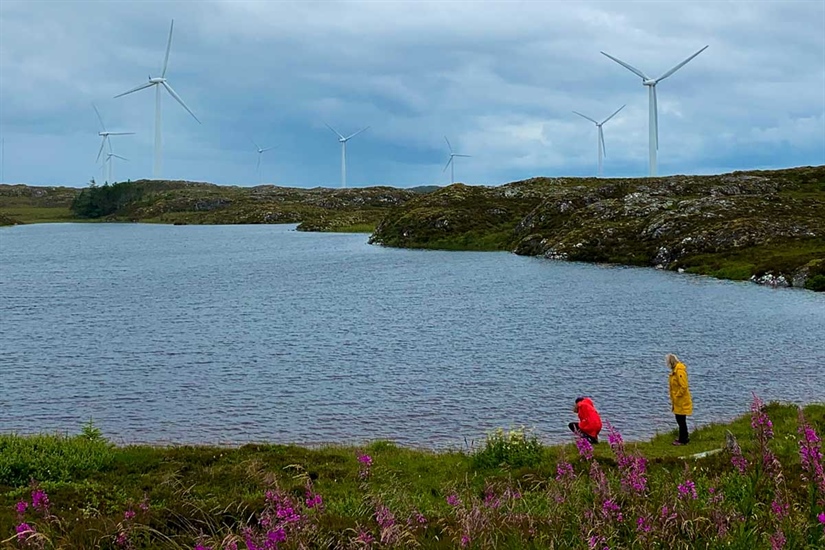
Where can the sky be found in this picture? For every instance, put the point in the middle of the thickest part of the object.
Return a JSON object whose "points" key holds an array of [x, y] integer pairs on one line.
{"points": [[499, 79]]}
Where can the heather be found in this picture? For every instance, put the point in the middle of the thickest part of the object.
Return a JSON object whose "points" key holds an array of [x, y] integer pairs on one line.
{"points": [[764, 489]]}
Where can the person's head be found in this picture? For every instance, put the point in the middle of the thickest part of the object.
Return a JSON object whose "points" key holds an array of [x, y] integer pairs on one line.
{"points": [[671, 360]]}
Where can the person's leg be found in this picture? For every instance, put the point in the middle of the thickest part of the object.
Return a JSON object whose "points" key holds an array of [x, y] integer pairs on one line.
{"points": [[683, 429], [590, 438], [574, 427]]}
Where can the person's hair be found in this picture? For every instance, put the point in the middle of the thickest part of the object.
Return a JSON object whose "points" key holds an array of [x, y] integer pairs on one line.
{"points": [[671, 360], [580, 399]]}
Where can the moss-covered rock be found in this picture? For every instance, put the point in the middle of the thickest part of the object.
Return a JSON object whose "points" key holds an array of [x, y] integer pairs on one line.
{"points": [[738, 225]]}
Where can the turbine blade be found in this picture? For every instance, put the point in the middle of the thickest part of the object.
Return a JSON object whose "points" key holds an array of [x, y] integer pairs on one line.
{"points": [[630, 68], [614, 114], [253, 143], [179, 100], [258, 165], [100, 118], [585, 116], [448, 144], [168, 47], [121, 133], [118, 156], [100, 151], [601, 139], [656, 117], [468, 156], [268, 149], [448, 164], [142, 86], [680, 65], [358, 132], [334, 131]]}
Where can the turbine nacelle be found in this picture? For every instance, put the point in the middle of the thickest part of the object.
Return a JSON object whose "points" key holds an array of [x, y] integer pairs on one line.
{"points": [[157, 80], [649, 82]]}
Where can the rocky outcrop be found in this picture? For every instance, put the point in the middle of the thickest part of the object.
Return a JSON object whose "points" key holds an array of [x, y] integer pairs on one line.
{"points": [[768, 226]]}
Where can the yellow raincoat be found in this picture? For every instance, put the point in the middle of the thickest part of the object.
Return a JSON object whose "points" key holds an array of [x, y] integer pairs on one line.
{"points": [[679, 392]]}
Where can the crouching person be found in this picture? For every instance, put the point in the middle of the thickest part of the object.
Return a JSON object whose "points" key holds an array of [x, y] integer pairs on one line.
{"points": [[590, 423]]}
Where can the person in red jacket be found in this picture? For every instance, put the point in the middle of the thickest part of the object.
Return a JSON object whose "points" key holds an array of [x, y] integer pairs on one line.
{"points": [[590, 423]]}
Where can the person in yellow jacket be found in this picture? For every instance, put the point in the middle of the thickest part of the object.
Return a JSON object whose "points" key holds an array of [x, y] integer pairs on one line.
{"points": [[679, 396]]}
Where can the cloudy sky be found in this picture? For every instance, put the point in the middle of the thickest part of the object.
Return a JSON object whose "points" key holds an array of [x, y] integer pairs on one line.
{"points": [[500, 79]]}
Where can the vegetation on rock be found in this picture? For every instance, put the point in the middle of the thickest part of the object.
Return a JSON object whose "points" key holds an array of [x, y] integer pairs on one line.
{"points": [[769, 225]]}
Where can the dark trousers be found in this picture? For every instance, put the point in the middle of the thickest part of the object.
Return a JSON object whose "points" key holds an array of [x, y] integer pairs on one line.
{"points": [[574, 427], [683, 430]]}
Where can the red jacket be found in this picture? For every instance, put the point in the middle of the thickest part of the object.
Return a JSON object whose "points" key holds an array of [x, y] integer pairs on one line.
{"points": [[589, 420]]}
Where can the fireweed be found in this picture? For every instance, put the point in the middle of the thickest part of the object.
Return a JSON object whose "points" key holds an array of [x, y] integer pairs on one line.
{"points": [[589, 503], [632, 467]]}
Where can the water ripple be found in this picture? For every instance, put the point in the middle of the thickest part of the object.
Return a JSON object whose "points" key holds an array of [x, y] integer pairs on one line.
{"points": [[231, 334]]}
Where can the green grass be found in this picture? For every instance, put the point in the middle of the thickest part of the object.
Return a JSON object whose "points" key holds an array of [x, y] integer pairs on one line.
{"points": [[199, 489], [354, 228], [38, 214]]}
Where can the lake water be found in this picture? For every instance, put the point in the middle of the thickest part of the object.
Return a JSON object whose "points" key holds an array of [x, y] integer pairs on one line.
{"points": [[230, 334]]}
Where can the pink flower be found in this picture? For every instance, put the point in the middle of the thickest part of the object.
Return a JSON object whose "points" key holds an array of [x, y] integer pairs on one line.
{"points": [[585, 448], [453, 500], [365, 460], [21, 507], [23, 531], [40, 500], [687, 489], [129, 514]]}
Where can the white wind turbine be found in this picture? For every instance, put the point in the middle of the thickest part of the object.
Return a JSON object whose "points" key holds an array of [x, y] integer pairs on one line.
{"points": [[159, 82], [106, 141], [109, 157], [653, 125], [450, 162], [600, 136], [260, 152], [343, 140]]}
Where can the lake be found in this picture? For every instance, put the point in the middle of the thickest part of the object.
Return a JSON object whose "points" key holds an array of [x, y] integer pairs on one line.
{"points": [[231, 334]]}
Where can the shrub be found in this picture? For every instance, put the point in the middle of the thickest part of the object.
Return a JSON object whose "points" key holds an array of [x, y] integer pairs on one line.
{"points": [[48, 457], [515, 448], [816, 283]]}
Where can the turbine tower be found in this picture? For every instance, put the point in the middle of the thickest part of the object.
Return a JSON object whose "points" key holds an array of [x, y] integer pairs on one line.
{"points": [[260, 152], [653, 125], [109, 157], [450, 162], [106, 141], [343, 140], [600, 136], [159, 82]]}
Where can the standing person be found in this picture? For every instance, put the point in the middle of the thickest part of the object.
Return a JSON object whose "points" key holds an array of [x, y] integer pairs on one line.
{"points": [[590, 423], [681, 402]]}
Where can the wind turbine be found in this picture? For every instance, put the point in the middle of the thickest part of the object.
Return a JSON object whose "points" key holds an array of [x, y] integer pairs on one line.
{"points": [[106, 141], [343, 140], [600, 137], [159, 82], [450, 162], [653, 125], [260, 152], [108, 160]]}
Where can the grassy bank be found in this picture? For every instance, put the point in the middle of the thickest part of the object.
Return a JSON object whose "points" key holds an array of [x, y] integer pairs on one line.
{"points": [[512, 492]]}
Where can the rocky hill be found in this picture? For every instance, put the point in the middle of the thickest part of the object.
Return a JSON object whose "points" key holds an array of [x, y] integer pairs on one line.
{"points": [[319, 209], [764, 225]]}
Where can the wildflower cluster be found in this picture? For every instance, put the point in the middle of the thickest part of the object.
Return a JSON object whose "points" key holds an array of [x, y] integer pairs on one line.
{"points": [[632, 467], [578, 502]]}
